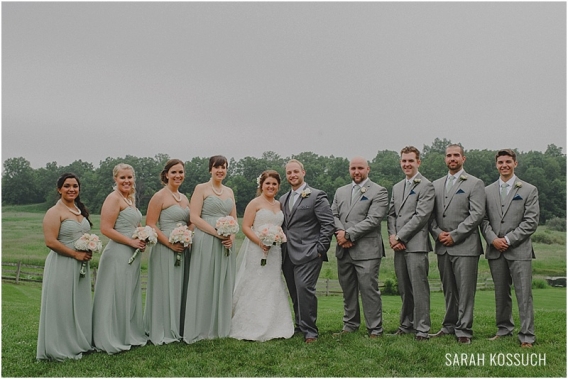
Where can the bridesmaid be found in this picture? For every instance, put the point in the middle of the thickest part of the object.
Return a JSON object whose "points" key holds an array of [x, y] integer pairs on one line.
{"points": [[65, 324], [117, 307], [166, 209], [211, 271]]}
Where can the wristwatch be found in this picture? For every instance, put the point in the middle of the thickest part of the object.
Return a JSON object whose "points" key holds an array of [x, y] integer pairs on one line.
{"points": [[347, 236]]}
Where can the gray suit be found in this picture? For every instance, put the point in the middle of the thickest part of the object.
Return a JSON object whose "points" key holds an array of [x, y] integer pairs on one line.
{"points": [[358, 266], [517, 219], [308, 228], [408, 218], [459, 212]]}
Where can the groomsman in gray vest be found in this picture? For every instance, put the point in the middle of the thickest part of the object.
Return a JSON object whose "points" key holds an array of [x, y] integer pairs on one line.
{"points": [[512, 213], [459, 209], [412, 203], [358, 209], [308, 225]]}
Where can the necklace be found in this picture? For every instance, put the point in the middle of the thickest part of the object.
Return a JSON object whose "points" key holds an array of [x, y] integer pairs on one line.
{"points": [[213, 188], [127, 201], [77, 212], [174, 196], [269, 202]]}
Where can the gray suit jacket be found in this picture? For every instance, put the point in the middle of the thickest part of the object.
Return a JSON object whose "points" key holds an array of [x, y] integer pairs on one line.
{"points": [[408, 216], [460, 213], [517, 220], [362, 220], [308, 227]]}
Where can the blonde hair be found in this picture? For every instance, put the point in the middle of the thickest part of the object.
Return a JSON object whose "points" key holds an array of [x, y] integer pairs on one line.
{"points": [[124, 166], [296, 161]]}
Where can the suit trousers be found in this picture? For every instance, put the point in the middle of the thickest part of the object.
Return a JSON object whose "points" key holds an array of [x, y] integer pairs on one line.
{"points": [[519, 273], [301, 281], [360, 276], [412, 275], [459, 281]]}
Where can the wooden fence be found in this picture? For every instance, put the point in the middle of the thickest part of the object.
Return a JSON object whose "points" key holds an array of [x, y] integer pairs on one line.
{"points": [[21, 272]]}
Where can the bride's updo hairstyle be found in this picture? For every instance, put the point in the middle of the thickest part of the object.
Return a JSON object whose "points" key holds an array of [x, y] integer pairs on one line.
{"points": [[217, 160], [124, 166], [265, 175], [78, 202], [169, 164]]}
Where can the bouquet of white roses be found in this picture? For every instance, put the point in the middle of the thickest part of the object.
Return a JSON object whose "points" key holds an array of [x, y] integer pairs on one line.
{"points": [[144, 233], [88, 242], [225, 226], [181, 234], [270, 235]]}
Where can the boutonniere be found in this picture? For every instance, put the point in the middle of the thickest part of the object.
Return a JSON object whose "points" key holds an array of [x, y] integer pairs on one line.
{"points": [[417, 180], [518, 184], [463, 177], [363, 189], [305, 193]]}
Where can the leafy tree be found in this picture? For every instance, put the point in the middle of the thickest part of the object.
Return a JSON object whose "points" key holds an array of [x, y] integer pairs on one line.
{"points": [[19, 183]]}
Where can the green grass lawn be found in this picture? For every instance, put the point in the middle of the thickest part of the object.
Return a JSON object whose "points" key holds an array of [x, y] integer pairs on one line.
{"points": [[352, 355]]}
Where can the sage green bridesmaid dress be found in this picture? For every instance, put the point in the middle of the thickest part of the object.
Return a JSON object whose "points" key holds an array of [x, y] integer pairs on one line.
{"points": [[65, 323], [165, 282], [211, 279], [117, 308]]}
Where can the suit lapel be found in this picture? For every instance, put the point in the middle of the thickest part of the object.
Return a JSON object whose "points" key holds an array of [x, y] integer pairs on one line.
{"points": [[412, 187], [455, 188], [509, 199], [367, 186]]}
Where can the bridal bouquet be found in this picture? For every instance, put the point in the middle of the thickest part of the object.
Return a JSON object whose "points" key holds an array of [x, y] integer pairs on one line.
{"points": [[225, 226], [270, 235], [88, 242], [144, 233], [181, 234]]}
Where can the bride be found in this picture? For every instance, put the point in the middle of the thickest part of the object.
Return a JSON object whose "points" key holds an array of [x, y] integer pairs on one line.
{"points": [[261, 310]]}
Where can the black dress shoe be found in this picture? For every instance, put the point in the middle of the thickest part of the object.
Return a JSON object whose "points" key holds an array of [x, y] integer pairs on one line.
{"points": [[464, 340], [497, 336], [441, 333]]}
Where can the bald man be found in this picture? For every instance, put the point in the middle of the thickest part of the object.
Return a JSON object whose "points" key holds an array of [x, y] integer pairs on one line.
{"points": [[358, 209]]}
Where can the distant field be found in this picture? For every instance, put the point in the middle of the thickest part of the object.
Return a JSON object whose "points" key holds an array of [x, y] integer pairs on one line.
{"points": [[22, 240]]}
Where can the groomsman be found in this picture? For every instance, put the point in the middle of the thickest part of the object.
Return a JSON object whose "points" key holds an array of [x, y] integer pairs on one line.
{"points": [[308, 225], [512, 214], [458, 211], [358, 209], [412, 203]]}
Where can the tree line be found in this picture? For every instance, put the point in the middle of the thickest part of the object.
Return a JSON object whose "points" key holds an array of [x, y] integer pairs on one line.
{"points": [[22, 184]]}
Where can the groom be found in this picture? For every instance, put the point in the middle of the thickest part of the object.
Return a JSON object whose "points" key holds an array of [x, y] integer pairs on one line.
{"points": [[308, 225]]}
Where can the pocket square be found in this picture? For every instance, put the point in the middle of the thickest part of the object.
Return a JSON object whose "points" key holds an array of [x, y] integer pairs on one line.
{"points": [[364, 198], [517, 197], [460, 191], [412, 193]]}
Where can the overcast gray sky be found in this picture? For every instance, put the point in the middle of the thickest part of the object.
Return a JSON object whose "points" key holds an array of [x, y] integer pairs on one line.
{"points": [[95, 80]]}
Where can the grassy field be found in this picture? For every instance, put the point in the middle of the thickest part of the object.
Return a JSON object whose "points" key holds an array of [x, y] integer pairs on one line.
{"points": [[22, 240], [348, 356]]}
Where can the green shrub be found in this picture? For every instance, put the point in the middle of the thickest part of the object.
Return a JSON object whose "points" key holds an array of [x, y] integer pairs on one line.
{"points": [[391, 287], [539, 283], [557, 223], [547, 237]]}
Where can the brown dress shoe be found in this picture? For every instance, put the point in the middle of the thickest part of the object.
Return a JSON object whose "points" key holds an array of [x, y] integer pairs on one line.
{"points": [[526, 345], [375, 335], [421, 338], [464, 340], [311, 340], [441, 333]]}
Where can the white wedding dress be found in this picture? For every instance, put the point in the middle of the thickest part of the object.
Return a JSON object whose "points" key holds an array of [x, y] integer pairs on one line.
{"points": [[261, 310]]}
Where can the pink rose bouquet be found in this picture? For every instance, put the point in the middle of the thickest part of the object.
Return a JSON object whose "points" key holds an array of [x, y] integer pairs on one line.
{"points": [[225, 226], [270, 235], [181, 234], [88, 242], [143, 233]]}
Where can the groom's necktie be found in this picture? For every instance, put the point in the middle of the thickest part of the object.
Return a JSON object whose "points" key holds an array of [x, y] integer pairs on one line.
{"points": [[291, 200]]}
